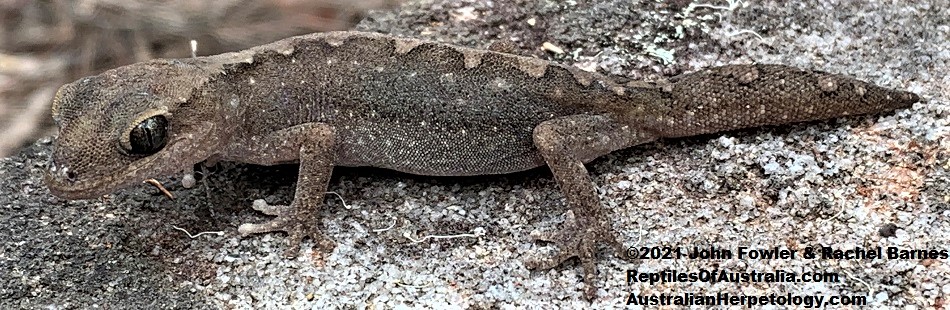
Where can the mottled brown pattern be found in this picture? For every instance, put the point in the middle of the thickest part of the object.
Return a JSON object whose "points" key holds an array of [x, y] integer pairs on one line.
{"points": [[361, 99]]}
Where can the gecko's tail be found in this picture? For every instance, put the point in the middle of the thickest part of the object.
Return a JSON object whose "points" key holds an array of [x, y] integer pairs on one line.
{"points": [[741, 96]]}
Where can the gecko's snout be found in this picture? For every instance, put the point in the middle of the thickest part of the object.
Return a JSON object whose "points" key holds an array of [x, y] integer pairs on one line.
{"points": [[60, 172], [63, 182], [58, 177]]}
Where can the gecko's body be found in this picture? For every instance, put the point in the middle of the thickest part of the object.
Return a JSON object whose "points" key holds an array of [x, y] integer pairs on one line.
{"points": [[360, 99]]}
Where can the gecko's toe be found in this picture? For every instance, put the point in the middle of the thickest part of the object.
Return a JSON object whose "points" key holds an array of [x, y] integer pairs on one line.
{"points": [[320, 241], [545, 236], [276, 210], [549, 262], [577, 239], [298, 223]]}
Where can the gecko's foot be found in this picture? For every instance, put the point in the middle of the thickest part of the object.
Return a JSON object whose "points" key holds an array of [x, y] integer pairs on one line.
{"points": [[578, 238], [298, 222]]}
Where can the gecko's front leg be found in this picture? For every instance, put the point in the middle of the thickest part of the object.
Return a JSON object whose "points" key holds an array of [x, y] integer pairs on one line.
{"points": [[313, 145], [566, 144]]}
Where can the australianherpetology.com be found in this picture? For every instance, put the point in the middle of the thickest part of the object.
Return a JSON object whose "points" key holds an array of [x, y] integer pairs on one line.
{"points": [[365, 99]]}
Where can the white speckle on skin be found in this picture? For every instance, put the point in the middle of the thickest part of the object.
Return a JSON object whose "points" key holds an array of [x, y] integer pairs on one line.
{"points": [[448, 78], [827, 84], [251, 80], [501, 83]]}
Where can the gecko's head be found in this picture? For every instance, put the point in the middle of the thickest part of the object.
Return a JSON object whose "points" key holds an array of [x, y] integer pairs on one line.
{"points": [[126, 125]]}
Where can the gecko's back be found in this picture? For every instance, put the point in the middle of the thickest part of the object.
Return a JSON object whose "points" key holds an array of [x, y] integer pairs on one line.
{"points": [[437, 109], [430, 110]]}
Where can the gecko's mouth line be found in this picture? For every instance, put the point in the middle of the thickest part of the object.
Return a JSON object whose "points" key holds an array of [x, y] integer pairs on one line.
{"points": [[94, 188], [87, 189]]}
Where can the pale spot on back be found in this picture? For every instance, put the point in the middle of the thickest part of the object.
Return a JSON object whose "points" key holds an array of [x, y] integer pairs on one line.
{"points": [[532, 66], [472, 58], [827, 84], [583, 77], [405, 45], [337, 38]]}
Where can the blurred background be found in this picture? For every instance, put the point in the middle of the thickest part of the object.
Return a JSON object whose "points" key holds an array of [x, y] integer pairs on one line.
{"points": [[46, 43]]}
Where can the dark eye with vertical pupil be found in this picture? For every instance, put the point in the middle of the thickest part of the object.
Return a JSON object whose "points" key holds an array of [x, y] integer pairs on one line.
{"points": [[149, 136]]}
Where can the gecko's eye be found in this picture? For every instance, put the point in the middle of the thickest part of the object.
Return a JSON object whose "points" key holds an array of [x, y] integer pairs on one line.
{"points": [[149, 136]]}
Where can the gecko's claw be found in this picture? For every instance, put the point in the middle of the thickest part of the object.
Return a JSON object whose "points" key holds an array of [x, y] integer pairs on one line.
{"points": [[578, 239], [297, 222], [275, 210]]}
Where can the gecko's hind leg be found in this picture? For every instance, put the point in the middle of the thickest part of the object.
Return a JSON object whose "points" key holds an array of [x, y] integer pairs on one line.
{"points": [[566, 144]]}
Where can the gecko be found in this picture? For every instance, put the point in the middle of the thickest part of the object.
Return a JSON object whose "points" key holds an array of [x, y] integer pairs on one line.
{"points": [[427, 108]]}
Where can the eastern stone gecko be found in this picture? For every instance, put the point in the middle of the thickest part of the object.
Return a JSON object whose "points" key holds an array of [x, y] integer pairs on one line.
{"points": [[365, 99]]}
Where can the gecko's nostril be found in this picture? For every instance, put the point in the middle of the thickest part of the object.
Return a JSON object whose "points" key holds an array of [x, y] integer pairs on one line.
{"points": [[70, 176]]}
